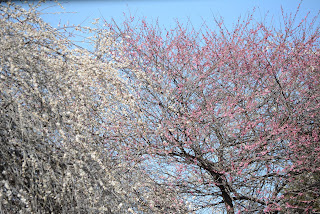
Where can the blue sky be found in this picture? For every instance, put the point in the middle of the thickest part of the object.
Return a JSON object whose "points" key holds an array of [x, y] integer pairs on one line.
{"points": [[167, 12]]}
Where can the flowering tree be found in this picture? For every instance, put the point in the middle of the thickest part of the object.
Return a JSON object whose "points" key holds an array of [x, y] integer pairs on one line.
{"points": [[227, 119], [147, 120], [57, 151]]}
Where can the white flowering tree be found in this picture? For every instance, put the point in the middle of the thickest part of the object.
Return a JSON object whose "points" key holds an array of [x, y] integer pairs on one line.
{"points": [[58, 151]]}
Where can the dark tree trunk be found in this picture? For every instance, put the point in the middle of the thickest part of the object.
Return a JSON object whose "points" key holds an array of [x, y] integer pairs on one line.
{"points": [[221, 184], [226, 197]]}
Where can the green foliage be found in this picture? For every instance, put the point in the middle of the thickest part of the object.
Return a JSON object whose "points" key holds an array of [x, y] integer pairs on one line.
{"points": [[302, 193]]}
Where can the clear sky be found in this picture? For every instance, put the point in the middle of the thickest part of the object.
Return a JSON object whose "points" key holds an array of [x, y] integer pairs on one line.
{"points": [[166, 11]]}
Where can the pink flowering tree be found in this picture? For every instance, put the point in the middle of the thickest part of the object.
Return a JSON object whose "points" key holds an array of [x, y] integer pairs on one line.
{"points": [[229, 119]]}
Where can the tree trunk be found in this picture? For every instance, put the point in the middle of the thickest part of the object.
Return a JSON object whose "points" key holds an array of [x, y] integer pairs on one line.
{"points": [[226, 196], [221, 184]]}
